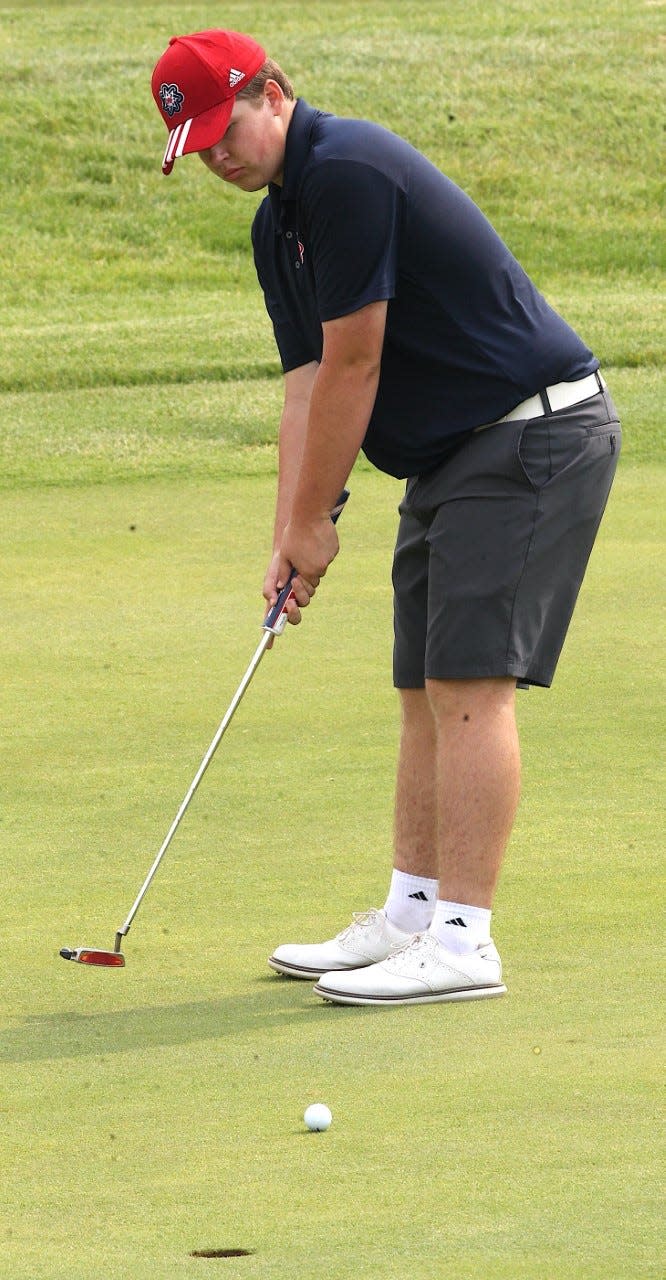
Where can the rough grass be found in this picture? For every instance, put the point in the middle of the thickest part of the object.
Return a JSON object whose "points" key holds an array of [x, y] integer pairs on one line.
{"points": [[119, 279], [548, 116]]}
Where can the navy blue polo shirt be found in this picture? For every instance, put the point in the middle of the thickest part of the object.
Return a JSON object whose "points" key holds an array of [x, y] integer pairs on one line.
{"points": [[363, 217]]}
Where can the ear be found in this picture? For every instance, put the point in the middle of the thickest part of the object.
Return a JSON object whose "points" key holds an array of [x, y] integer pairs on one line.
{"points": [[274, 96]]}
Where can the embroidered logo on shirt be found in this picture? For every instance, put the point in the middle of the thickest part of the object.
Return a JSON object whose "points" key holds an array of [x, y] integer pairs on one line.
{"points": [[171, 98], [301, 250]]}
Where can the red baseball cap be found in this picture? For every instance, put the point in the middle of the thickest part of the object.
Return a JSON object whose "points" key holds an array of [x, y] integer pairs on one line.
{"points": [[195, 83]]}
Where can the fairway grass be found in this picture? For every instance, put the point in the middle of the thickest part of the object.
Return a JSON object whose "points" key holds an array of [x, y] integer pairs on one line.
{"points": [[156, 1111]]}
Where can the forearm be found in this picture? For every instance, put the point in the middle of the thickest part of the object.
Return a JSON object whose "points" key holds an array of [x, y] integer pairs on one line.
{"points": [[293, 428], [340, 409], [291, 442]]}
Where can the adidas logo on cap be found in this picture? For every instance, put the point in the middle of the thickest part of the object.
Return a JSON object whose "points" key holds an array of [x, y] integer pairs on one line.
{"points": [[235, 77]]}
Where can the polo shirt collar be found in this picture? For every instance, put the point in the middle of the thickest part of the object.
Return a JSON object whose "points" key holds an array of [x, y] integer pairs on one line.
{"points": [[296, 152]]}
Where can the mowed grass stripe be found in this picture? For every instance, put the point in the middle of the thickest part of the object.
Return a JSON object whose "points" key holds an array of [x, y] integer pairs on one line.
{"points": [[189, 337], [192, 336], [91, 436]]}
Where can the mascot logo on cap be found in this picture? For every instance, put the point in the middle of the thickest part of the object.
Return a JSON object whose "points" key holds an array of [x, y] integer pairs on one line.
{"points": [[171, 98]]}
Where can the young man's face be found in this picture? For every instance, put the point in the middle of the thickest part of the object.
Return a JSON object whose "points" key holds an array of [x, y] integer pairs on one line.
{"points": [[251, 153]]}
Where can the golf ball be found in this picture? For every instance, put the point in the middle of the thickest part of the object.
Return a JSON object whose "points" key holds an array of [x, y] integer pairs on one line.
{"points": [[317, 1117]]}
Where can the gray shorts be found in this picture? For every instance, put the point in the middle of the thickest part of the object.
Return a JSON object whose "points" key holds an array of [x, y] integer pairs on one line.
{"points": [[492, 547]]}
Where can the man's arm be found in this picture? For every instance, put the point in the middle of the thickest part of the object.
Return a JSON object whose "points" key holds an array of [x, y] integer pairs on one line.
{"points": [[340, 406], [298, 384]]}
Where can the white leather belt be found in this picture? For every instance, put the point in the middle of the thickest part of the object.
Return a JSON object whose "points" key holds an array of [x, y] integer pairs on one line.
{"points": [[560, 396]]}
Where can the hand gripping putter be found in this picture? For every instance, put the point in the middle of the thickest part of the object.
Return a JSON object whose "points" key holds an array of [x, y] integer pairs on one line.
{"points": [[273, 625]]}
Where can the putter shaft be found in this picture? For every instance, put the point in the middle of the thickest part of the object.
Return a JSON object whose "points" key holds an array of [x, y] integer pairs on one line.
{"points": [[273, 625], [258, 655]]}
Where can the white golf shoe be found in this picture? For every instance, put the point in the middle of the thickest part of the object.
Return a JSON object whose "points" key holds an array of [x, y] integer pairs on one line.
{"points": [[369, 938], [420, 972]]}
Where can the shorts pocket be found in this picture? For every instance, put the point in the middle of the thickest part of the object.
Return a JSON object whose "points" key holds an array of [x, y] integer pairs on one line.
{"points": [[547, 447]]}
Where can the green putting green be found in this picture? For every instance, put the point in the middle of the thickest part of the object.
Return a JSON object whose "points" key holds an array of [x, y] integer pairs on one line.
{"points": [[157, 1110]]}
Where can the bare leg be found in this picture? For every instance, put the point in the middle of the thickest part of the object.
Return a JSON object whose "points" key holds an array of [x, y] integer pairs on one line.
{"points": [[478, 783], [415, 823], [458, 785], [456, 797]]}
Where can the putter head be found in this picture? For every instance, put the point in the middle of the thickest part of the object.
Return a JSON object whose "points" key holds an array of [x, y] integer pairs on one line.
{"points": [[85, 955]]}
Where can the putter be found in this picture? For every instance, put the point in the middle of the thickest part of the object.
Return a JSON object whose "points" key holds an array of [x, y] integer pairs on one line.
{"points": [[273, 625]]}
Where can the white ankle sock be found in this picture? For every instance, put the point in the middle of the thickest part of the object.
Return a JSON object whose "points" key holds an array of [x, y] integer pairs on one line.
{"points": [[411, 902], [460, 928]]}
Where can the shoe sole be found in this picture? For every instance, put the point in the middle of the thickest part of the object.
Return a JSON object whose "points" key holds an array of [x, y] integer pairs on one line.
{"points": [[299, 971], [435, 997]]}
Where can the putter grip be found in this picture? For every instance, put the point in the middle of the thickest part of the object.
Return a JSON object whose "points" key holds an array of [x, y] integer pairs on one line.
{"points": [[274, 615]]}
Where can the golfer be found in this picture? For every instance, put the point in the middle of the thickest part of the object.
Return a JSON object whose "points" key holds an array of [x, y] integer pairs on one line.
{"points": [[407, 329]]}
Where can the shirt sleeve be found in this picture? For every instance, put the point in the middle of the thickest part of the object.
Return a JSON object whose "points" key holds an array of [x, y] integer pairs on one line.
{"points": [[353, 214]]}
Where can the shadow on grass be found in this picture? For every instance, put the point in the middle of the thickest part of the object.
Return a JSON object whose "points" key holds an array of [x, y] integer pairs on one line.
{"points": [[270, 1003]]}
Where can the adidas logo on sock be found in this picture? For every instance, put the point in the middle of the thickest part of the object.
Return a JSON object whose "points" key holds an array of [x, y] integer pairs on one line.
{"points": [[420, 896], [459, 921]]}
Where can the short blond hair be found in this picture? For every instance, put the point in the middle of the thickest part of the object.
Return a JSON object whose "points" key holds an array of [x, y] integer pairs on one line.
{"points": [[269, 71]]}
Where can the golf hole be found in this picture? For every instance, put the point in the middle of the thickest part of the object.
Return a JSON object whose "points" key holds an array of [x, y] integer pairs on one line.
{"points": [[221, 1253]]}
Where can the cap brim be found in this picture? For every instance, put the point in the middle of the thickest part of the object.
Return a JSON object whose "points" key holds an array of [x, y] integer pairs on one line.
{"points": [[198, 133]]}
